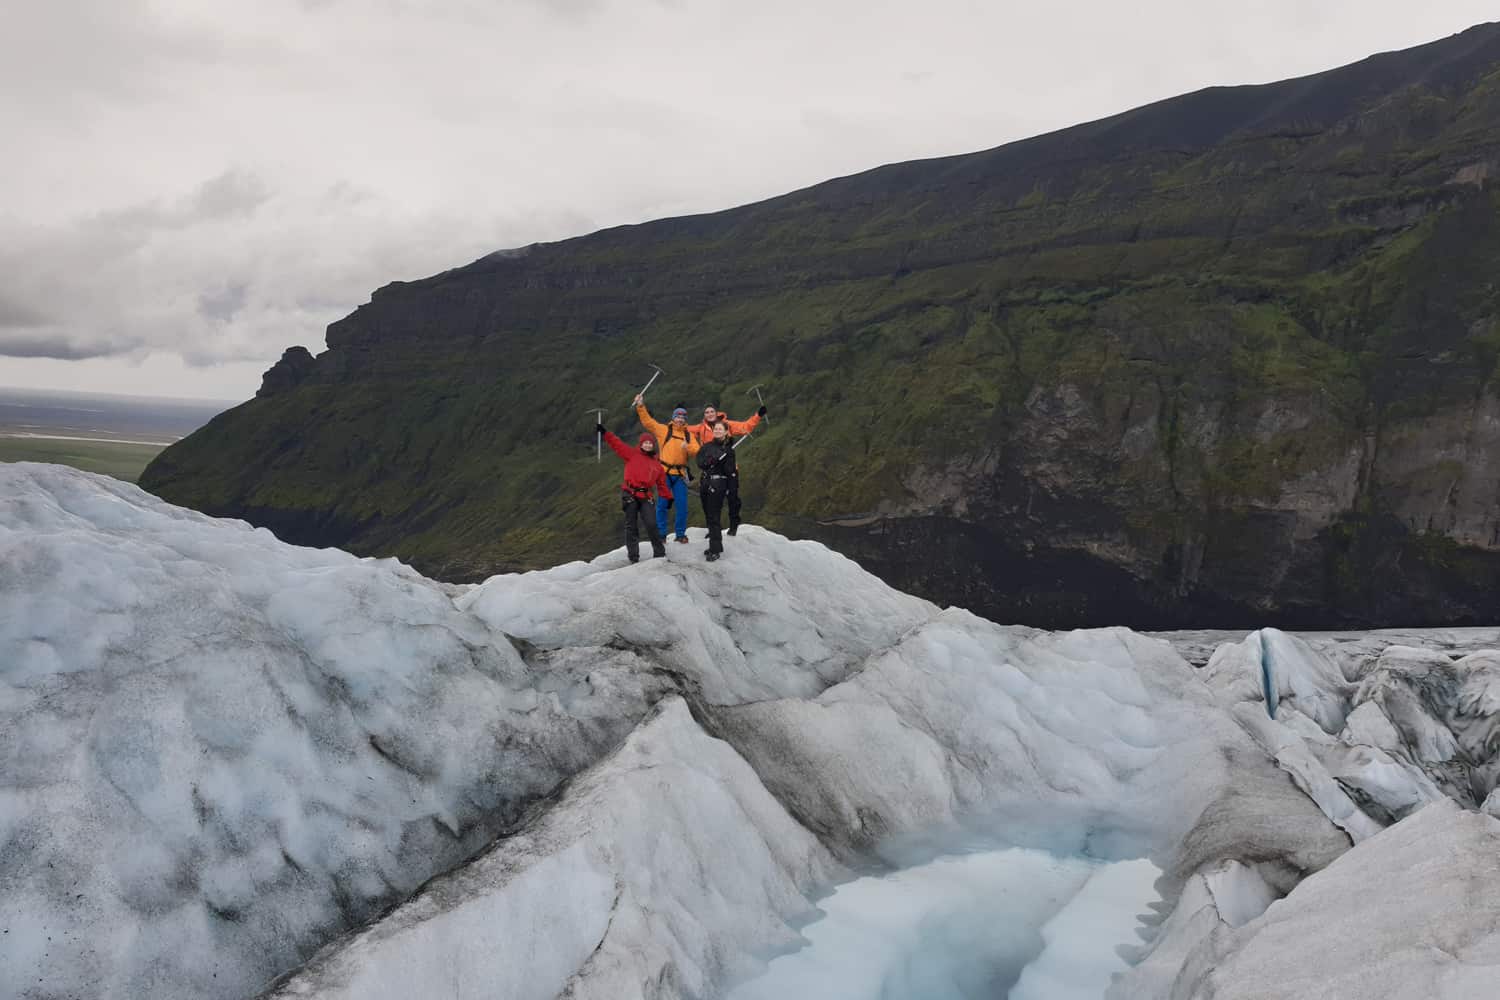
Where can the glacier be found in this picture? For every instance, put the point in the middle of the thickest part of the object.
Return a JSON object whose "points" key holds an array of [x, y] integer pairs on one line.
{"points": [[231, 767]]}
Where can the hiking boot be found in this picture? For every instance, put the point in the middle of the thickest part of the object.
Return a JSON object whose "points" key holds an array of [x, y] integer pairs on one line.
{"points": [[658, 555], [734, 529], [682, 539], [712, 557]]}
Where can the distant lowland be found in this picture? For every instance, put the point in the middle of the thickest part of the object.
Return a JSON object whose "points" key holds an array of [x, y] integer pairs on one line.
{"points": [[109, 434]]}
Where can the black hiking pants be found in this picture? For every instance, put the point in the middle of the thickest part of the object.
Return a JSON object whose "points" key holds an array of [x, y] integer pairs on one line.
{"points": [[716, 489], [640, 511], [734, 500]]}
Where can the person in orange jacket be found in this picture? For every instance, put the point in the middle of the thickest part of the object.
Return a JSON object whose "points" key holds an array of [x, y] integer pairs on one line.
{"points": [[704, 432], [676, 446]]}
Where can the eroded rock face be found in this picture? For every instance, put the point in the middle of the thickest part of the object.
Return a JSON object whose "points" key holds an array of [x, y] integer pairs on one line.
{"points": [[295, 365]]}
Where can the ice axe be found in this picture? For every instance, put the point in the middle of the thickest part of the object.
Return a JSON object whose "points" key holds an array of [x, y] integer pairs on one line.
{"points": [[599, 446], [659, 373], [756, 389]]}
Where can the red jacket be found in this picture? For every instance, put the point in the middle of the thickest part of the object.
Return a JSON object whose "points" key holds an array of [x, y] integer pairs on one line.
{"points": [[642, 470]]}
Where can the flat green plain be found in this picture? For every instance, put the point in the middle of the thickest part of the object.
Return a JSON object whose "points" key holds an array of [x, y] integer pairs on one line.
{"points": [[122, 460]]}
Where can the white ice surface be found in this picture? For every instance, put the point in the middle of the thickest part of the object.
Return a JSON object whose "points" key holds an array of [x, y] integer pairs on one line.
{"points": [[1082, 941], [1411, 914], [903, 730], [218, 752], [666, 863]]}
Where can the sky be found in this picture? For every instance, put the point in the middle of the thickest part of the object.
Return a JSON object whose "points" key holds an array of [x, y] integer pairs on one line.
{"points": [[188, 187]]}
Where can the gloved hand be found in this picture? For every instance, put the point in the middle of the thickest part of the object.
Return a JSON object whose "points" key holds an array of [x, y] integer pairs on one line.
{"points": [[599, 429], [761, 412]]}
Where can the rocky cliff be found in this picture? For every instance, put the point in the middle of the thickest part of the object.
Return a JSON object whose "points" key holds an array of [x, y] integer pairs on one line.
{"points": [[1227, 358]]}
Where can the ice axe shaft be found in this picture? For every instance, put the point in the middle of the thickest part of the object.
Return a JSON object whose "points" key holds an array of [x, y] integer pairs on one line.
{"points": [[653, 379], [598, 445]]}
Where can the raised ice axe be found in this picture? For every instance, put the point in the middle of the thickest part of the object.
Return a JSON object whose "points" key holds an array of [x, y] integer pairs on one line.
{"points": [[599, 445], [659, 373], [756, 389]]}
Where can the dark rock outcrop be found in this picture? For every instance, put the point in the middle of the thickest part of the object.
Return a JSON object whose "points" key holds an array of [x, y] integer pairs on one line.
{"points": [[288, 373]]}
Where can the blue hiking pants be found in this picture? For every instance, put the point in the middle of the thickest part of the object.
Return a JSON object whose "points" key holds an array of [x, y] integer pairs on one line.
{"points": [[680, 500]]}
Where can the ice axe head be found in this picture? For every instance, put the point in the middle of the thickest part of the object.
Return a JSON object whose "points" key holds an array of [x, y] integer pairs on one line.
{"points": [[654, 377], [756, 389]]}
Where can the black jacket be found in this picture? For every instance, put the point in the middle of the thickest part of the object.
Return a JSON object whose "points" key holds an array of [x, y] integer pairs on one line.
{"points": [[716, 459]]}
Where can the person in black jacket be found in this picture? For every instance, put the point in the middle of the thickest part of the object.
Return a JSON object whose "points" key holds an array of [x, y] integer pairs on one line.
{"points": [[716, 460]]}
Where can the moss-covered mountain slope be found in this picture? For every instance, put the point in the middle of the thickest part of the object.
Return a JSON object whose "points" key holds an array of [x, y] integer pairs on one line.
{"points": [[1230, 357]]}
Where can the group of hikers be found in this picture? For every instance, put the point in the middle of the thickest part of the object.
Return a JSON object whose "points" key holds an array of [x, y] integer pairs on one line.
{"points": [[662, 461]]}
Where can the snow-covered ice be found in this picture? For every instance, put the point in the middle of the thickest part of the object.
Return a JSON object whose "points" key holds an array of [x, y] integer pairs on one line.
{"points": [[666, 864], [1411, 913], [217, 750], [221, 755]]}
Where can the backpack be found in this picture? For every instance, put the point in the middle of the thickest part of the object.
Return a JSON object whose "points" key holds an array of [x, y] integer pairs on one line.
{"points": [[687, 437]]}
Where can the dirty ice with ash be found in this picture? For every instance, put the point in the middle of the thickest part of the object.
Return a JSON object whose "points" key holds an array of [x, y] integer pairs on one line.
{"points": [[230, 767]]}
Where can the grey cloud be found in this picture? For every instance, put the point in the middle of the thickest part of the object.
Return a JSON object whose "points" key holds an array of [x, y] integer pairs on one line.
{"points": [[223, 303], [232, 193], [217, 182], [15, 314], [52, 345], [232, 271]]}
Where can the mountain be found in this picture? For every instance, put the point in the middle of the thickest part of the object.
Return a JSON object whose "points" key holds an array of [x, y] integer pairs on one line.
{"points": [[1224, 359], [233, 767]]}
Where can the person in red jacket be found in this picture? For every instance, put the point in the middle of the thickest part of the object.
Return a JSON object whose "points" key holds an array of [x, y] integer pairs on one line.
{"points": [[643, 471]]}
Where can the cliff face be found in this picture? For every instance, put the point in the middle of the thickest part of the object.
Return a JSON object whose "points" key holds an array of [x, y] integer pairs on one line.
{"points": [[1226, 358]]}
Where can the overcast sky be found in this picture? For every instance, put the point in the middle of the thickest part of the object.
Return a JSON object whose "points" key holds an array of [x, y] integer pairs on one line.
{"points": [[190, 186]]}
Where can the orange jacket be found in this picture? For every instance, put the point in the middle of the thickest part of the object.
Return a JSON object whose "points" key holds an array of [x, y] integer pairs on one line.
{"points": [[737, 428], [676, 446]]}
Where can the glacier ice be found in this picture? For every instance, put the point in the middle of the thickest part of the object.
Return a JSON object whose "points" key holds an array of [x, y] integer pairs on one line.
{"points": [[218, 750], [1084, 941], [226, 761], [1438, 936], [1012, 922], [658, 866]]}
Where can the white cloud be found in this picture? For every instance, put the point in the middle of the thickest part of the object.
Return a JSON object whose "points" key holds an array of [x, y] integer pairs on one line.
{"points": [[211, 183]]}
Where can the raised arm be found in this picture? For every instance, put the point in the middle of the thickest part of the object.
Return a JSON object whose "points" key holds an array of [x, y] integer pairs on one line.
{"points": [[739, 428], [616, 445], [659, 430]]}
